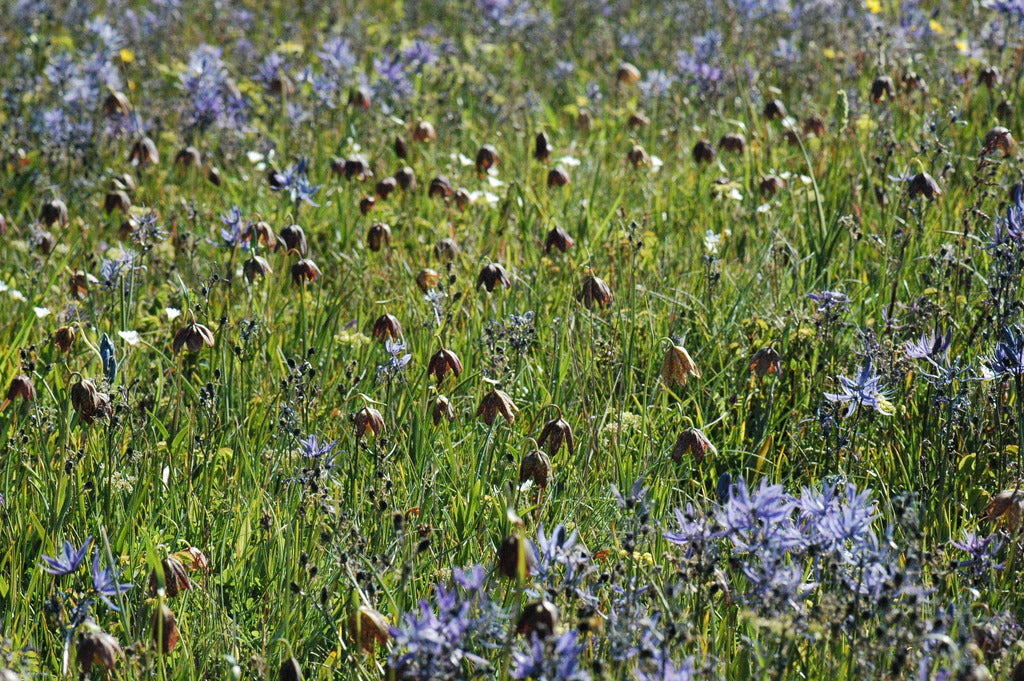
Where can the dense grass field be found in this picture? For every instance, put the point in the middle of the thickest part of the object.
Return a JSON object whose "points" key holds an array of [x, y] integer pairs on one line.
{"points": [[512, 339]]}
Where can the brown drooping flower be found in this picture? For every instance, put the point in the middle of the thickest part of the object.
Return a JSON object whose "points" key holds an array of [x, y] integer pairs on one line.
{"points": [[79, 283], [774, 110], [516, 559], [387, 327], [260, 232], [492, 275], [1007, 509], [882, 88], [441, 409], [144, 153], [924, 185], [360, 98], [558, 177], [21, 386], [378, 236], [366, 204], [54, 211], [542, 147], [555, 433], [814, 125], [290, 669], [637, 156], [990, 77], [188, 157], [627, 74], [703, 152], [164, 627], [368, 629], [294, 238], [89, 402], [424, 132], [734, 142], [368, 419], [406, 178], [117, 200], [594, 292], [535, 466], [194, 337], [539, 618], [305, 270], [558, 238], [256, 267], [999, 139], [400, 147], [97, 648], [766, 361], [771, 184], [694, 443], [677, 366], [444, 362], [446, 249], [386, 187], [64, 338], [440, 187], [173, 575], [116, 104], [486, 158], [497, 403], [427, 279], [637, 120]]}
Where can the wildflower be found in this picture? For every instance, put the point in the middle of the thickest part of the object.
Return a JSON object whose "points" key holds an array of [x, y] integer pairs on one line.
{"points": [[172, 575], [21, 386], [542, 147], [69, 561], [386, 187], [444, 362], [558, 177], [256, 266], [694, 442], [556, 660], [703, 152], [441, 409], [862, 391], [497, 403], [829, 301], [882, 88], [516, 557], [491, 275], [924, 185], [677, 366], [54, 211], [305, 270], [313, 448], [734, 142], [294, 238], [194, 337], [397, 362], [555, 433], [486, 158], [627, 74], [774, 110], [933, 347], [539, 619], [96, 647], [164, 628], [981, 552], [406, 178], [369, 628], [766, 361], [594, 290], [535, 467], [1007, 508], [105, 582], [295, 181], [188, 157], [1008, 357]]}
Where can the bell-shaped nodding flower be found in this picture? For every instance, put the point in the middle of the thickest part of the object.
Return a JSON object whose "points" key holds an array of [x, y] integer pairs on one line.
{"points": [[486, 158], [54, 211], [366, 204], [694, 443], [21, 386], [294, 238], [378, 236], [256, 267], [116, 104], [260, 232], [305, 270], [96, 648], [733, 142], [400, 147], [558, 177], [882, 88], [516, 559], [814, 126], [360, 98], [446, 249], [406, 178], [290, 670], [637, 156], [117, 200], [424, 132], [386, 328], [558, 238], [594, 292], [1007, 509], [173, 575], [497, 403], [627, 74], [440, 187], [924, 185], [990, 77], [677, 366], [368, 628], [427, 279], [357, 168], [144, 153], [771, 184], [189, 157], [386, 188], [164, 627], [79, 283], [912, 82], [998, 139], [441, 409], [703, 152], [491, 275], [462, 198], [193, 337], [542, 147], [64, 338], [766, 361], [539, 619], [555, 433], [444, 362], [637, 120], [369, 420], [536, 467], [584, 120], [774, 110]]}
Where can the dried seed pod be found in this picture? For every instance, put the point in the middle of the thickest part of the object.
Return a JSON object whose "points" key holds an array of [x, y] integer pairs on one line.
{"points": [[594, 291], [539, 619], [766, 361], [64, 338], [117, 104], [52, 212], [261, 232], [486, 158], [440, 186], [558, 238], [368, 628], [497, 403], [693, 442], [173, 575], [424, 132], [462, 198], [290, 670], [164, 627], [999, 139], [400, 147], [406, 178], [924, 185], [535, 466], [194, 337], [814, 125], [21, 386], [441, 409], [189, 157], [541, 147], [882, 88], [427, 279], [555, 433], [385, 188], [117, 200], [558, 177], [446, 249], [584, 120], [256, 267], [637, 121], [1007, 509], [774, 110], [366, 204], [734, 142], [378, 236], [703, 152], [771, 184], [678, 366], [444, 362], [990, 77], [79, 283], [97, 648], [387, 327], [368, 419], [637, 156], [627, 74], [913, 82], [491, 275], [144, 153], [360, 98], [516, 559], [213, 176], [294, 239]]}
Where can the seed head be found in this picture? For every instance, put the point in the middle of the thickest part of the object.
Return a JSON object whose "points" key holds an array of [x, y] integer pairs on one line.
{"points": [[677, 366], [193, 337], [497, 403], [444, 362], [694, 443]]}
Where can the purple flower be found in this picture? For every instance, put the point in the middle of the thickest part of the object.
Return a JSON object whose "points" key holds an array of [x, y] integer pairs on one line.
{"points": [[1008, 357], [981, 551], [313, 448], [295, 181], [862, 391], [829, 301], [105, 582], [336, 54], [69, 560], [657, 84], [550, 660], [934, 346], [1013, 9]]}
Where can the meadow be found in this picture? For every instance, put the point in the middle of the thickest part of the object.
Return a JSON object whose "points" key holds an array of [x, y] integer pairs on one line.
{"points": [[512, 339]]}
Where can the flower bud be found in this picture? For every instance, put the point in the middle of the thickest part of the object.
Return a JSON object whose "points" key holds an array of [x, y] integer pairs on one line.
{"points": [[734, 142], [387, 327], [427, 279], [360, 97], [766, 361], [444, 362], [446, 249], [999, 139], [367, 628], [989, 77], [172, 575], [516, 559], [594, 290], [814, 126], [305, 270], [368, 419], [21, 386], [424, 132], [555, 433], [441, 409], [385, 187], [294, 239], [497, 403], [378, 236], [677, 366], [290, 669], [637, 121], [558, 177], [882, 88], [774, 110], [400, 147], [693, 442], [637, 156], [97, 648], [116, 104], [703, 152], [627, 74], [117, 200], [541, 147], [440, 186], [539, 619], [144, 153], [558, 238], [64, 338], [535, 466], [771, 184], [256, 267], [491, 275], [189, 157], [165, 629], [366, 204], [194, 337], [52, 212], [406, 178], [924, 185]]}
